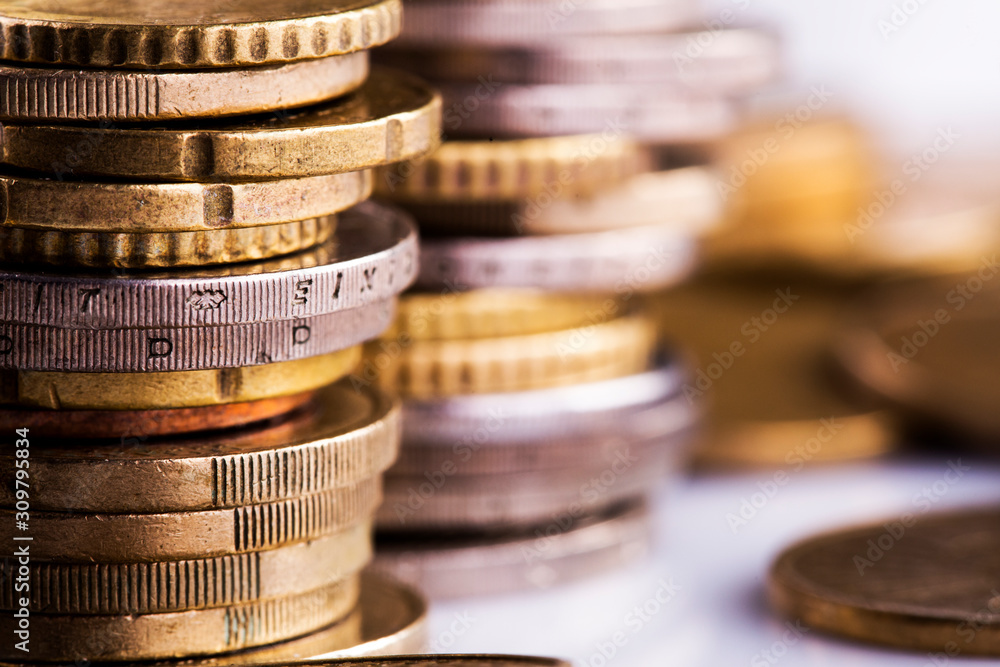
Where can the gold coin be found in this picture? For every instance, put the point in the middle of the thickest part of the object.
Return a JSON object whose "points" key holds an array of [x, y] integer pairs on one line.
{"points": [[162, 249], [46, 94], [172, 35], [392, 117], [922, 583], [545, 167], [598, 351], [185, 585], [182, 634], [180, 389], [489, 313], [128, 207]]}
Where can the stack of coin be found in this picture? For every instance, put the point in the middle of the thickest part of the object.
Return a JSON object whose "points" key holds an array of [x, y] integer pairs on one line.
{"points": [[185, 283], [540, 406]]}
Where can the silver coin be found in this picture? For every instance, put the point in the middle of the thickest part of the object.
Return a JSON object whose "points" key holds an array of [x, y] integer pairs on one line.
{"points": [[621, 262], [40, 348], [372, 258], [531, 21], [455, 566], [725, 62]]}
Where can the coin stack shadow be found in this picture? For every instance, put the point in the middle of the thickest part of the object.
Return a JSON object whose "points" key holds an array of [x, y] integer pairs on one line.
{"points": [[540, 408], [182, 297]]}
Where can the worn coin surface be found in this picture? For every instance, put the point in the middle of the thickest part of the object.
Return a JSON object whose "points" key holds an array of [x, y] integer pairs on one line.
{"points": [[926, 583], [392, 117], [173, 35]]}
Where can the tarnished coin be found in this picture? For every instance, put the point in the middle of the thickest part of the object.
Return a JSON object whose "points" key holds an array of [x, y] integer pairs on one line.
{"points": [[621, 262], [373, 257], [46, 94], [441, 660], [455, 566], [90, 589], [172, 35], [65, 537], [920, 583], [75, 638], [172, 390], [392, 117], [161, 249], [352, 435]]}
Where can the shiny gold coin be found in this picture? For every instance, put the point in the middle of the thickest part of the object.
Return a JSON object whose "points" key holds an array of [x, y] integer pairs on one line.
{"points": [[598, 351], [162, 249], [489, 313], [924, 583], [392, 117], [185, 585], [183, 634], [181, 389], [172, 35], [541, 168]]}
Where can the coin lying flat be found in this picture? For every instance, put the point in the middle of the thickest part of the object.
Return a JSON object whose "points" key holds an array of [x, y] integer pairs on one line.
{"points": [[446, 567], [392, 117], [371, 258], [923, 583], [457, 660], [171, 35], [161, 249], [42, 93], [120, 589], [183, 634], [351, 436], [171, 390]]}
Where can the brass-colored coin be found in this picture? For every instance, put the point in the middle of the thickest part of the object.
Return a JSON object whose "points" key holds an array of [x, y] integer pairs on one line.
{"points": [[518, 169], [172, 35], [602, 350], [441, 660], [923, 583], [490, 313], [392, 117], [70, 638], [162, 249], [351, 435], [90, 589], [173, 389], [46, 94], [65, 537], [48, 204]]}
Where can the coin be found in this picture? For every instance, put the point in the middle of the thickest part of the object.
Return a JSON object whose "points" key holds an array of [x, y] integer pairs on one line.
{"points": [[190, 349], [42, 93], [602, 350], [621, 262], [685, 197], [392, 117], [372, 258], [51, 204], [183, 634], [170, 35], [503, 170], [919, 583], [457, 660], [121, 589], [351, 436], [171, 390], [142, 424], [132, 538], [161, 249], [455, 566]]}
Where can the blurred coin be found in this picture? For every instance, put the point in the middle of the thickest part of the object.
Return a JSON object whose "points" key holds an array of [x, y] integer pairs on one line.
{"points": [[923, 583], [578, 547], [171, 35], [351, 435], [392, 117], [46, 94]]}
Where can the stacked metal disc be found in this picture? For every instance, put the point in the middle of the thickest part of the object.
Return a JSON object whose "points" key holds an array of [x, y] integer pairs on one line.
{"points": [[184, 283], [540, 407]]}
